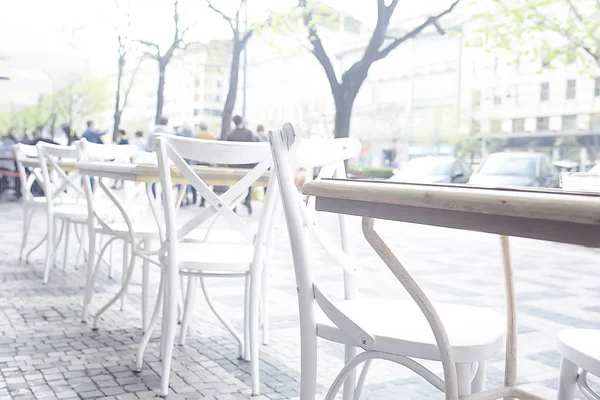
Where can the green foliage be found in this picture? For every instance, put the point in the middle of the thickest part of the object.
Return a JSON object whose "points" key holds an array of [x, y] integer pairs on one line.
{"points": [[371, 173], [290, 23], [71, 104], [555, 31]]}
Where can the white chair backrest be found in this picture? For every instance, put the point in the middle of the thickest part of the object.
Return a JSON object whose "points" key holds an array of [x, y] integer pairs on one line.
{"points": [[87, 151], [25, 152], [290, 151], [56, 179], [175, 150], [107, 152]]}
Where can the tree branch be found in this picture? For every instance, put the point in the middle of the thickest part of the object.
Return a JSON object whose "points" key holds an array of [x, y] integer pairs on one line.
{"points": [[222, 14], [317, 47], [128, 90], [575, 11], [149, 44], [429, 21]]}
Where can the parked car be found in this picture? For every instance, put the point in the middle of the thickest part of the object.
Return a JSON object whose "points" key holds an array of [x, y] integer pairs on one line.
{"points": [[434, 169], [516, 169]]}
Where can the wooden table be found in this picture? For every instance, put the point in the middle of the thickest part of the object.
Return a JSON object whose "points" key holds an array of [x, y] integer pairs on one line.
{"points": [[553, 215], [220, 176]]}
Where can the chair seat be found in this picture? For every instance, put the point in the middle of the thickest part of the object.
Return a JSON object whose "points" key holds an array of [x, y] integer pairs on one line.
{"points": [[141, 230], [73, 212], [215, 257], [399, 327], [41, 201], [581, 347]]}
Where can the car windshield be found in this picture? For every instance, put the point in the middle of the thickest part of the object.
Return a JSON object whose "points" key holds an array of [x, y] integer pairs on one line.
{"points": [[506, 164], [427, 166]]}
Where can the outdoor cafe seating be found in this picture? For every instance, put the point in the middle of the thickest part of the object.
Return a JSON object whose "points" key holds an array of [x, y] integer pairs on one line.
{"points": [[183, 247]]}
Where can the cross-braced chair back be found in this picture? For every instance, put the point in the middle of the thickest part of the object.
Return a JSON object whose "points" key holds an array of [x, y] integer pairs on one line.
{"points": [[173, 151], [56, 181], [289, 152], [25, 152], [87, 151]]}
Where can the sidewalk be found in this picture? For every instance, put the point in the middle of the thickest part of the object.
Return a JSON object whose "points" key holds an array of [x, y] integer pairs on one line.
{"points": [[47, 353]]}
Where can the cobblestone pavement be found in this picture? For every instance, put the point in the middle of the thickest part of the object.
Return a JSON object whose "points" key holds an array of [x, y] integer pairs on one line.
{"points": [[47, 353]]}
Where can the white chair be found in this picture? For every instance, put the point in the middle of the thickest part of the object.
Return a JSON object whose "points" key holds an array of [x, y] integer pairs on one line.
{"points": [[31, 203], [107, 219], [580, 354], [385, 329], [58, 184], [217, 257]]}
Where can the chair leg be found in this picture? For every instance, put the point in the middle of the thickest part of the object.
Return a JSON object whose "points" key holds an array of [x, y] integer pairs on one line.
{"points": [[110, 263], [478, 384], [124, 273], [225, 323], [188, 310], [50, 243], [463, 375], [67, 240], [256, 308], [27, 216], [567, 381], [145, 286], [264, 306], [169, 322], [246, 354], [308, 363], [122, 291], [153, 322]]}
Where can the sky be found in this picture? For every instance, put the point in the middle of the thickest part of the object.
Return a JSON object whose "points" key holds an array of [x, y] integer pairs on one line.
{"points": [[61, 30]]}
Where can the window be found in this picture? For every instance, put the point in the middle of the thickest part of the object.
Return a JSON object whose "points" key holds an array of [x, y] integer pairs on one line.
{"points": [[595, 123], [497, 98], [545, 91], [518, 125], [543, 124], [475, 126], [571, 88], [219, 84], [516, 93], [569, 123], [597, 87], [496, 126], [476, 98]]}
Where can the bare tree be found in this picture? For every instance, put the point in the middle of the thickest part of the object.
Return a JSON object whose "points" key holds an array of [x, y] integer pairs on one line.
{"points": [[239, 41], [124, 51], [163, 58], [346, 88]]}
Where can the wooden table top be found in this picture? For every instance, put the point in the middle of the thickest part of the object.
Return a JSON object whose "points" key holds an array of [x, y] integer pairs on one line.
{"points": [[555, 215], [149, 173]]}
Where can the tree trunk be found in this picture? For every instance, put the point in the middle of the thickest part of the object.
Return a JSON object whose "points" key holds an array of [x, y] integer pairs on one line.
{"points": [[160, 96], [117, 115], [233, 86], [344, 101]]}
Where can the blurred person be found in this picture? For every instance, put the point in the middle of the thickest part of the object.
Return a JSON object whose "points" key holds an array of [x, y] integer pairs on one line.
{"points": [[243, 134], [185, 130], [240, 133], [91, 135], [204, 133], [69, 133], [261, 134], [139, 140], [122, 137]]}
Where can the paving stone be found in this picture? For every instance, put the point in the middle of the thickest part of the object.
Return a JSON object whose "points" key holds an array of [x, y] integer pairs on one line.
{"points": [[46, 352]]}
